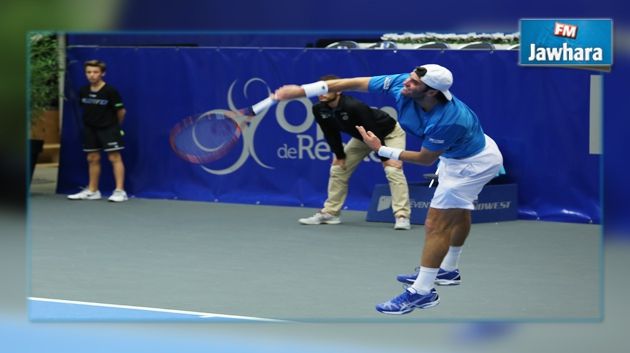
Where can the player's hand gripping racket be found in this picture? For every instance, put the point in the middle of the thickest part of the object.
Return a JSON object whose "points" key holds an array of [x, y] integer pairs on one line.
{"points": [[211, 135]]}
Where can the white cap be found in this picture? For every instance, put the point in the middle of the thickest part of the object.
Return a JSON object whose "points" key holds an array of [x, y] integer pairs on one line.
{"points": [[439, 78]]}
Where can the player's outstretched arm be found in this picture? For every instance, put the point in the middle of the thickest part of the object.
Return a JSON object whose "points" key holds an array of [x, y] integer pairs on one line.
{"points": [[322, 87], [349, 84]]}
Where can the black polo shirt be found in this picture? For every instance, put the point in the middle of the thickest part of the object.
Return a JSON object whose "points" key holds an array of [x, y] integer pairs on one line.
{"points": [[100, 108], [349, 113]]}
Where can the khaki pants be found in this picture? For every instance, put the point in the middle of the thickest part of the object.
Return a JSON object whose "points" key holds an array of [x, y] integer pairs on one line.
{"points": [[355, 151]]}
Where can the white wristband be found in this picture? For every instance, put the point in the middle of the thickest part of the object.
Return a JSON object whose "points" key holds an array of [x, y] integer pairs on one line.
{"points": [[315, 89], [390, 152]]}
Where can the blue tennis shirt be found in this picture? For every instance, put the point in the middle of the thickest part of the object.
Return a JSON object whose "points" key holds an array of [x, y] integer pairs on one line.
{"points": [[452, 127]]}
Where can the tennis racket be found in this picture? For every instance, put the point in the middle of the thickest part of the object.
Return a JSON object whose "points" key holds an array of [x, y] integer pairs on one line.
{"points": [[208, 137]]}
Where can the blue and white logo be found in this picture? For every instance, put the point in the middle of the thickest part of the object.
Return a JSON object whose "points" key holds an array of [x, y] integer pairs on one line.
{"points": [[384, 203], [566, 42]]}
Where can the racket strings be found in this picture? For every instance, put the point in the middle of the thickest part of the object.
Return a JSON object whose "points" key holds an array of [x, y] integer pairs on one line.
{"points": [[205, 138]]}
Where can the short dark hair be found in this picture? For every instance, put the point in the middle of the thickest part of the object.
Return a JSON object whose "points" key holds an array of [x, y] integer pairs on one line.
{"points": [[441, 97], [97, 63], [420, 71], [329, 77]]}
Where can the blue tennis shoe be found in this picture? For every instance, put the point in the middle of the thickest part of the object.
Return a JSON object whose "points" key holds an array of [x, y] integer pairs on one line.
{"points": [[408, 301]]}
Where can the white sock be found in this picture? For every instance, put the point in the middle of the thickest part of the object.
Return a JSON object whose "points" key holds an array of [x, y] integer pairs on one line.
{"points": [[451, 259], [424, 282]]}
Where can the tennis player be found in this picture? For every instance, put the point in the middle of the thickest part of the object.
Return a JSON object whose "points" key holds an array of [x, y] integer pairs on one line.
{"points": [[336, 113], [450, 131], [103, 112]]}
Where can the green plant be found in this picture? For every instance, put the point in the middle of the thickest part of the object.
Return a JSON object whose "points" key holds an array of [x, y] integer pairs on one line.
{"points": [[452, 38], [44, 73]]}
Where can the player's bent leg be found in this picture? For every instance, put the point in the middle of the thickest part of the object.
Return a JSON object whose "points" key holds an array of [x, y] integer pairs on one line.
{"points": [[449, 274], [461, 229], [422, 294], [438, 227]]}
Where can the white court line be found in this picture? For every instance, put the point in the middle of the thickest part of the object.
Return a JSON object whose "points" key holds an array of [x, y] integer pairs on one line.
{"points": [[171, 311]]}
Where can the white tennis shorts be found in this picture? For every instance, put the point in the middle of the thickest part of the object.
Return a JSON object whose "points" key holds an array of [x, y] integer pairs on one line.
{"points": [[460, 180]]}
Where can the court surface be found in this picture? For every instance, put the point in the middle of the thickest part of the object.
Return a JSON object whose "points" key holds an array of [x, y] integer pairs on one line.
{"points": [[257, 262]]}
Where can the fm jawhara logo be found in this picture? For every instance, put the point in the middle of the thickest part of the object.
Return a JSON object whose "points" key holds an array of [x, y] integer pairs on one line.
{"points": [[566, 42]]}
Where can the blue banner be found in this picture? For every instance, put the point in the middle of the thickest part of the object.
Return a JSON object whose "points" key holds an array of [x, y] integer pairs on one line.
{"points": [[538, 117], [496, 203]]}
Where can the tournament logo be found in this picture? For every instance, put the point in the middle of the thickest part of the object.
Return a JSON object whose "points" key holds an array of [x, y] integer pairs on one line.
{"points": [[384, 203], [294, 138], [248, 150], [566, 42]]}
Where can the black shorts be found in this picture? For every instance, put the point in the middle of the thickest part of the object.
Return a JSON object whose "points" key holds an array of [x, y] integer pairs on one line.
{"points": [[108, 139]]}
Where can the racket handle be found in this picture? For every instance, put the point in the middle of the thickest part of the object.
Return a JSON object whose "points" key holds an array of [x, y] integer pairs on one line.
{"points": [[262, 105], [437, 171]]}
